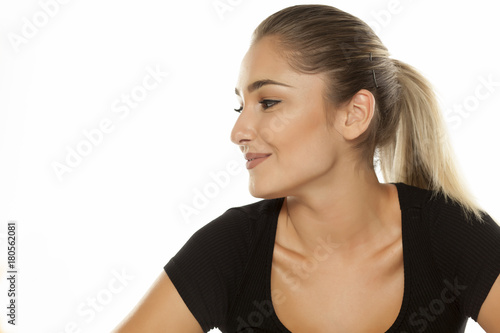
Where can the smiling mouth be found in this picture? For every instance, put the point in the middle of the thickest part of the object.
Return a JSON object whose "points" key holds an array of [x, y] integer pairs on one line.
{"points": [[253, 162]]}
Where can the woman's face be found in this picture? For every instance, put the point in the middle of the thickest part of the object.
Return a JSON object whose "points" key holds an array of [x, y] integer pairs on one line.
{"points": [[283, 117]]}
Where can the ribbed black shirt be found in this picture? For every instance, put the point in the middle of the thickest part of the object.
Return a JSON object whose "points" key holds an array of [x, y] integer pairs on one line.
{"points": [[223, 272]]}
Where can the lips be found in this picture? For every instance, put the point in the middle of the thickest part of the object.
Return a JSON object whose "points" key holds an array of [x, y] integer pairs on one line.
{"points": [[253, 159], [253, 156]]}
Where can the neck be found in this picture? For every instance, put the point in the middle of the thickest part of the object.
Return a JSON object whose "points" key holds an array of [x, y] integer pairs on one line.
{"points": [[349, 213]]}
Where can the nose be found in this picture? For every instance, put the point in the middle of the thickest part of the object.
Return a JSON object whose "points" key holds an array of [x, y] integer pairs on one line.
{"points": [[243, 131]]}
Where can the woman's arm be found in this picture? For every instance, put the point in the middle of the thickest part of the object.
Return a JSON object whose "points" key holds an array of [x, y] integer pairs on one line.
{"points": [[489, 315], [161, 310]]}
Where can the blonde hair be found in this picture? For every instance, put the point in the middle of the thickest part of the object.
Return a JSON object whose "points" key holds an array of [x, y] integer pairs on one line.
{"points": [[407, 133]]}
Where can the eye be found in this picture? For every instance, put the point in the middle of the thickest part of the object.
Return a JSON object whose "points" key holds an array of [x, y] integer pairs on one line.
{"points": [[267, 103], [239, 110]]}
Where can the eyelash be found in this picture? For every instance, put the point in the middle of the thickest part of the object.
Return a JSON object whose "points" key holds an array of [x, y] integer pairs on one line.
{"points": [[264, 104]]}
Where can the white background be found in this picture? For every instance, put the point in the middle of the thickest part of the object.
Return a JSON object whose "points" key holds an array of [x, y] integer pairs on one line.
{"points": [[118, 210]]}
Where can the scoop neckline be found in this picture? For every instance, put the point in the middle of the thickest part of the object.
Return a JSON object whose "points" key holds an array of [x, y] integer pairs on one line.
{"points": [[400, 187]]}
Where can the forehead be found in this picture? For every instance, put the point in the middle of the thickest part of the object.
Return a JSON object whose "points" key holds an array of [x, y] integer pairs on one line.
{"points": [[264, 62]]}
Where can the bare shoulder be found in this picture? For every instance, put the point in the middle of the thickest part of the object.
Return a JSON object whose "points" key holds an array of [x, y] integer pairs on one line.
{"points": [[160, 310]]}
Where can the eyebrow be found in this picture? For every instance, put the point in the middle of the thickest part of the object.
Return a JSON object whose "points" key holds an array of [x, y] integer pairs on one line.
{"points": [[259, 84]]}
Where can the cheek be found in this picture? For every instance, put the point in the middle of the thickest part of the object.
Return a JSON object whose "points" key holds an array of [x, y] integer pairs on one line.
{"points": [[306, 143]]}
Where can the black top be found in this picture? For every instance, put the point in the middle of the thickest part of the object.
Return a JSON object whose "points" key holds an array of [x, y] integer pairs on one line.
{"points": [[223, 272]]}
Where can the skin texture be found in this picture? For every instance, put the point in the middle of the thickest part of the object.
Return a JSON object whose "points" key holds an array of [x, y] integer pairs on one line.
{"points": [[328, 196], [161, 310], [489, 315]]}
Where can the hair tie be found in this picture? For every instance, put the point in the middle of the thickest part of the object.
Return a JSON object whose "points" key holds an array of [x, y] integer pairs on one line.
{"points": [[373, 72]]}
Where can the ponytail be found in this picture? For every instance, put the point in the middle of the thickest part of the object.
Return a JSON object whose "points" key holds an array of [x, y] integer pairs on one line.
{"points": [[420, 153]]}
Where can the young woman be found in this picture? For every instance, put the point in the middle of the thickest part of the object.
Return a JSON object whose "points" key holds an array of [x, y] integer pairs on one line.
{"points": [[330, 248]]}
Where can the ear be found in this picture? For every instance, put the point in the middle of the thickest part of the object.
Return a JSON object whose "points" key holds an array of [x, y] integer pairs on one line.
{"points": [[356, 115]]}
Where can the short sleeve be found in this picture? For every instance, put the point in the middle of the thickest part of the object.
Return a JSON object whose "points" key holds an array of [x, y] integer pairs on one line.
{"points": [[207, 269], [466, 251]]}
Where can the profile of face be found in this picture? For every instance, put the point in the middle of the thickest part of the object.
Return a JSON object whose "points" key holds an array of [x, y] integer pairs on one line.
{"points": [[283, 120]]}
